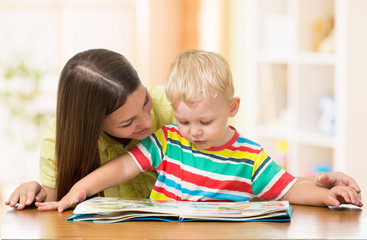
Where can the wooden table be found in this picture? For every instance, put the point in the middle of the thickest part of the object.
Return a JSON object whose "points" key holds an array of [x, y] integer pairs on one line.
{"points": [[306, 223]]}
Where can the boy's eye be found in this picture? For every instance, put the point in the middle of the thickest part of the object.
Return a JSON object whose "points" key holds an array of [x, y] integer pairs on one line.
{"points": [[206, 123]]}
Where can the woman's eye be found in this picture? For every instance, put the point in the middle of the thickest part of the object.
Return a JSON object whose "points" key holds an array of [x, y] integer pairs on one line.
{"points": [[128, 124], [146, 101]]}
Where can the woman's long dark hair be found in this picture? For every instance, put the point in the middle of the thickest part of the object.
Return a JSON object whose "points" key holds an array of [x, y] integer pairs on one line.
{"points": [[93, 84]]}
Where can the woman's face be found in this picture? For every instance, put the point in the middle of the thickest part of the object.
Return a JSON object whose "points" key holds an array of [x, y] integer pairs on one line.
{"points": [[132, 120]]}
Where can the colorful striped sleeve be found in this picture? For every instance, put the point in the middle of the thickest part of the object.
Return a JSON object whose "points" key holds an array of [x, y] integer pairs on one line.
{"points": [[148, 154], [269, 180]]}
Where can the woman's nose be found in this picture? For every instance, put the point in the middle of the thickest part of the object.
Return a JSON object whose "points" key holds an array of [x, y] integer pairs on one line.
{"points": [[144, 119]]}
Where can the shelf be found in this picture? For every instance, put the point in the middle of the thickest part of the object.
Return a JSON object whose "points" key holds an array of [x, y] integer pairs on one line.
{"points": [[309, 58], [285, 133], [312, 58], [312, 160], [316, 139], [336, 73], [265, 57], [272, 131], [294, 83]]}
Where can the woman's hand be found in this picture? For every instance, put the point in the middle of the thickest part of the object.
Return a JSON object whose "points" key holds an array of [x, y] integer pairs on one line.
{"points": [[66, 202], [333, 179], [26, 194]]}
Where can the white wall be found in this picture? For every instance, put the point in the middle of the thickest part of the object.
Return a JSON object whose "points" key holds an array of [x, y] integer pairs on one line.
{"points": [[356, 109], [46, 34]]}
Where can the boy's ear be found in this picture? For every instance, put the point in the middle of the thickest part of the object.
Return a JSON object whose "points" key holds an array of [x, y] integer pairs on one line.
{"points": [[234, 107]]}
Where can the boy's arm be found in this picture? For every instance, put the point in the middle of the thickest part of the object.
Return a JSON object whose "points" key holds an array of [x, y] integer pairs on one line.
{"points": [[307, 193], [110, 174]]}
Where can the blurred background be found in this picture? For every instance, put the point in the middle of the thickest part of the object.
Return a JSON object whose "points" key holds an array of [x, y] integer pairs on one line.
{"points": [[299, 67]]}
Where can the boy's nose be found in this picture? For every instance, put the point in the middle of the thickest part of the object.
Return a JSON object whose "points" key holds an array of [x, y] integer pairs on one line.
{"points": [[196, 132]]}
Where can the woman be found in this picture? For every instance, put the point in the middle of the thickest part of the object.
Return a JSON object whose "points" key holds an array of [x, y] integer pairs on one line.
{"points": [[103, 110]]}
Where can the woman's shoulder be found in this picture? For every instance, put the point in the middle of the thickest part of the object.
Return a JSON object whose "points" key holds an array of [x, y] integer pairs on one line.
{"points": [[50, 131], [158, 94], [162, 112]]}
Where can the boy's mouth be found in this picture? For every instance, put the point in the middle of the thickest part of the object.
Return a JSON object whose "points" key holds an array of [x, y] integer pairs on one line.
{"points": [[197, 142]]}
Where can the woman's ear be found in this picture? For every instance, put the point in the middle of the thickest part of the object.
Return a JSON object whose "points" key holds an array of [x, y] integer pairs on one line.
{"points": [[234, 107]]}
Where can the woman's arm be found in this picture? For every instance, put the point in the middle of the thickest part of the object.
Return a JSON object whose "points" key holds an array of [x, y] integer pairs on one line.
{"points": [[112, 173], [332, 179]]}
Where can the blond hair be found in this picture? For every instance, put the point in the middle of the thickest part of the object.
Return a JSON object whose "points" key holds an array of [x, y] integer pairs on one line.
{"points": [[194, 73]]}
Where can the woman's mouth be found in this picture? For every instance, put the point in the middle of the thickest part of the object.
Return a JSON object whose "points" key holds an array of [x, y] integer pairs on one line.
{"points": [[143, 132]]}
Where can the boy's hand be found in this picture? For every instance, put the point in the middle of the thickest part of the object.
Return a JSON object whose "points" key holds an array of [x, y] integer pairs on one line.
{"points": [[333, 179], [66, 202], [342, 194]]}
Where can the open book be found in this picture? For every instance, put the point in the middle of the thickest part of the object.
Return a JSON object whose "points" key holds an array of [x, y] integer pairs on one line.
{"points": [[110, 210]]}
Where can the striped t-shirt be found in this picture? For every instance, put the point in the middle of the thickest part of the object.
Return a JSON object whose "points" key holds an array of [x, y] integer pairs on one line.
{"points": [[237, 171]]}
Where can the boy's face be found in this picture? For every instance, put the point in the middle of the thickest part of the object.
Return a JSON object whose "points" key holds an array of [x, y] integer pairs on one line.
{"points": [[206, 123]]}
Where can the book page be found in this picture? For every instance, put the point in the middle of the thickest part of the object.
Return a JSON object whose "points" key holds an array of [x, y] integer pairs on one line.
{"points": [[104, 205]]}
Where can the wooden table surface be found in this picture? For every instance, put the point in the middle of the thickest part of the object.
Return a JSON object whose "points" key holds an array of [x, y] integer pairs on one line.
{"points": [[306, 223]]}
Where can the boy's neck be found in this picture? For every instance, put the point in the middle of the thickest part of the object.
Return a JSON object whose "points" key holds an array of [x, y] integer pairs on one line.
{"points": [[230, 137]]}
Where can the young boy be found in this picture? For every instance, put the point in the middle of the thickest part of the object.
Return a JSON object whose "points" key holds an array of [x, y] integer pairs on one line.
{"points": [[202, 158]]}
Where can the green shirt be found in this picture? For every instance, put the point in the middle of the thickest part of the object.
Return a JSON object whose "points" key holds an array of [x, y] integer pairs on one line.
{"points": [[138, 187]]}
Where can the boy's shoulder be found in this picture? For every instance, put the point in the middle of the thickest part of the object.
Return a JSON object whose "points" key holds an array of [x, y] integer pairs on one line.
{"points": [[171, 128], [168, 129], [243, 140], [246, 145]]}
